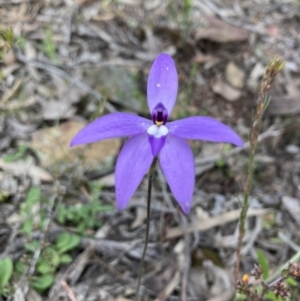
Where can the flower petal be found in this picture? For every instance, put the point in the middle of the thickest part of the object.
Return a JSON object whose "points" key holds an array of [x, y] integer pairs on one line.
{"points": [[133, 163], [156, 144], [204, 128], [177, 163], [162, 83], [111, 126]]}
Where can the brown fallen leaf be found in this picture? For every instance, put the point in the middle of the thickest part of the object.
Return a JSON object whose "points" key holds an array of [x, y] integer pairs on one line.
{"points": [[213, 221], [21, 168], [220, 31], [53, 146]]}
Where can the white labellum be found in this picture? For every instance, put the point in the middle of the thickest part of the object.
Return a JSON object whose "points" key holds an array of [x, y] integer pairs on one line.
{"points": [[157, 131]]}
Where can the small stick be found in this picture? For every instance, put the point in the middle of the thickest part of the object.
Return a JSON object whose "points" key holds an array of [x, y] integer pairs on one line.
{"points": [[69, 291]]}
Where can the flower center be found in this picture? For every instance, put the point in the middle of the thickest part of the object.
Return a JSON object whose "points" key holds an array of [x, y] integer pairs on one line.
{"points": [[157, 132], [159, 115]]}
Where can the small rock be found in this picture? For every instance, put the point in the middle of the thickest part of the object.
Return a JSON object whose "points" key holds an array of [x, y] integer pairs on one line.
{"points": [[53, 146], [235, 75], [292, 149], [257, 72], [226, 91], [118, 82], [9, 58], [106, 181]]}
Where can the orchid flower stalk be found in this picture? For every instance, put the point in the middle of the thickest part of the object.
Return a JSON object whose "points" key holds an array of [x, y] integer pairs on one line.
{"points": [[157, 137]]}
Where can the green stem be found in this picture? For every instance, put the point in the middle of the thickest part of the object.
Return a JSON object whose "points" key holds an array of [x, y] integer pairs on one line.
{"points": [[150, 181]]}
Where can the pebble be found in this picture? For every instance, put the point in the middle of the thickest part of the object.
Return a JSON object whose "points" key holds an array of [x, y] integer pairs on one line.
{"points": [[292, 149]]}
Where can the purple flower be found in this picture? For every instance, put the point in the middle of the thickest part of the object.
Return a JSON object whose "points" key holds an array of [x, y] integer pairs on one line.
{"points": [[157, 137]]}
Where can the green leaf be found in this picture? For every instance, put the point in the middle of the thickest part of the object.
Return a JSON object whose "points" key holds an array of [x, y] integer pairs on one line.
{"points": [[6, 269], [220, 163], [6, 41], [51, 256], [81, 227], [8, 36], [67, 242], [16, 156], [43, 282], [48, 46], [270, 296], [61, 216], [291, 281], [20, 42], [32, 246], [90, 223], [44, 268], [263, 262], [240, 297], [65, 258], [84, 211], [33, 196], [70, 215], [105, 208], [20, 267], [27, 226]]}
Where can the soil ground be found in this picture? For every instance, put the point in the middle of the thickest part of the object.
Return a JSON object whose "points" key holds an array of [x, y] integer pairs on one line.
{"points": [[75, 60]]}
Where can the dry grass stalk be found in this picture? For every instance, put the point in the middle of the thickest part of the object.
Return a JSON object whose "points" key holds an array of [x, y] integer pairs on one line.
{"points": [[273, 68]]}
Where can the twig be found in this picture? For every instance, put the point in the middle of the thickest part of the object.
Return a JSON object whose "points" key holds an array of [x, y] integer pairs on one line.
{"points": [[281, 278], [115, 62], [274, 66], [69, 291], [212, 221]]}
